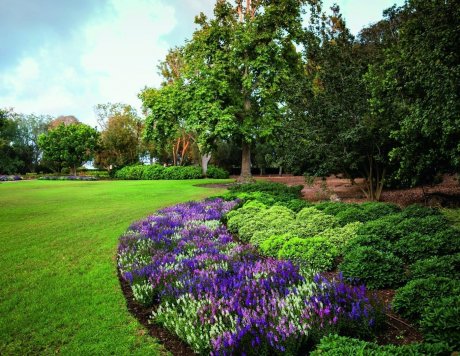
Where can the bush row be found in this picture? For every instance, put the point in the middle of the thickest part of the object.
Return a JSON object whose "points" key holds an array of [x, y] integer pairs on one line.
{"points": [[156, 171], [9, 178], [83, 178]]}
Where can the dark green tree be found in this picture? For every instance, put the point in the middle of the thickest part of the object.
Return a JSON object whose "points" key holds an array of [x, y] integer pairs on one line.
{"points": [[69, 145]]}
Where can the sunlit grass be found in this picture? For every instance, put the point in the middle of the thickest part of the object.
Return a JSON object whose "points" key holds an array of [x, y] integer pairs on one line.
{"points": [[59, 290]]}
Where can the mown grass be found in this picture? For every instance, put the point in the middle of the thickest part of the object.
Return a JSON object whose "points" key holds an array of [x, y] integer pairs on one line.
{"points": [[59, 291]]}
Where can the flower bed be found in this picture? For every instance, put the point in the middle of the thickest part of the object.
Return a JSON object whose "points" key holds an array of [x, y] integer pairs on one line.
{"points": [[84, 178], [223, 297], [9, 178]]}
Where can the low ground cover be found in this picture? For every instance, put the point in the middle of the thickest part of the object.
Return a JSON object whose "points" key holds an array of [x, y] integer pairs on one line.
{"points": [[59, 291]]}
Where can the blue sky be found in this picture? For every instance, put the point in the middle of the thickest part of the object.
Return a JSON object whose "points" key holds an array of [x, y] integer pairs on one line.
{"points": [[62, 57]]}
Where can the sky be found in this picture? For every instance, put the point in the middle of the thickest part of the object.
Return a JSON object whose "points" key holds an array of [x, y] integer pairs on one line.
{"points": [[63, 57]]}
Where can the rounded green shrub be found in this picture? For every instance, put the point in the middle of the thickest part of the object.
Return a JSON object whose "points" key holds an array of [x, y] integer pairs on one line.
{"points": [[423, 225], [415, 246], [437, 266], [341, 236], [216, 172], [377, 269], [237, 218], [273, 244], [419, 211], [152, 172], [316, 253], [411, 300], [334, 345], [182, 172], [441, 321], [384, 228], [313, 221]]}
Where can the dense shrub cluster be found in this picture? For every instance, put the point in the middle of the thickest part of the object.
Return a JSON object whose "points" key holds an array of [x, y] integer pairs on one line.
{"points": [[396, 241], [437, 266], [156, 171], [348, 212], [223, 297], [309, 237], [334, 345]]}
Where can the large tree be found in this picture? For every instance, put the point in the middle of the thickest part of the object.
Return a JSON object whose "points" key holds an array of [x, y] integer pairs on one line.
{"points": [[418, 84], [69, 145], [121, 136], [237, 65]]}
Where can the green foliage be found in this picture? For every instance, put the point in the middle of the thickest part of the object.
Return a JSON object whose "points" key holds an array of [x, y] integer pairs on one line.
{"points": [[273, 220], [317, 253], [441, 321], [69, 145], [275, 189], [341, 236], [411, 300], [419, 211], [238, 217], [159, 172], [183, 172], [334, 345], [216, 172], [121, 137], [272, 245], [373, 267], [415, 246], [437, 266], [313, 221], [348, 212]]}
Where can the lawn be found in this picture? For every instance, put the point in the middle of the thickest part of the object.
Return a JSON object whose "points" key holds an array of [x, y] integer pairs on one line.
{"points": [[59, 288]]}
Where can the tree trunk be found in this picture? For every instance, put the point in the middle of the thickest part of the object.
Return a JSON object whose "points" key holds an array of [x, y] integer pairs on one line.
{"points": [[205, 158], [245, 175], [280, 171]]}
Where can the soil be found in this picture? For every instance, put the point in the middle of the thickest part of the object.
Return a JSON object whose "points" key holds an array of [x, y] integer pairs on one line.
{"points": [[444, 194]]}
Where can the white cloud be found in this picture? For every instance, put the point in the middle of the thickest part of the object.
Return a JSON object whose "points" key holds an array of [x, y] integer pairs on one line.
{"points": [[110, 59]]}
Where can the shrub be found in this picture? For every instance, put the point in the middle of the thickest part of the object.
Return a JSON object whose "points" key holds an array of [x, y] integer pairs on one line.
{"points": [[314, 221], [274, 218], [182, 172], [237, 218], [274, 244], [334, 345], [415, 246], [376, 211], [384, 228], [216, 172], [437, 266], [419, 211], [377, 269], [424, 225], [341, 236], [276, 189], [411, 300], [130, 172], [154, 171], [316, 253], [157, 171], [441, 321]]}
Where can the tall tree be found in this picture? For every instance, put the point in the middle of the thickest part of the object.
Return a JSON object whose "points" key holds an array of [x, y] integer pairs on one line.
{"points": [[419, 85], [69, 145], [121, 136], [237, 65]]}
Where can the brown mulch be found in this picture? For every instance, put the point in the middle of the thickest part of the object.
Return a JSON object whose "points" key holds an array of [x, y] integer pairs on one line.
{"points": [[446, 193], [169, 340]]}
